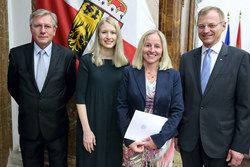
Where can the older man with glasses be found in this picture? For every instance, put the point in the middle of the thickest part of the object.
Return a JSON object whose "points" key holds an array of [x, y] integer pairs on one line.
{"points": [[214, 130], [41, 78]]}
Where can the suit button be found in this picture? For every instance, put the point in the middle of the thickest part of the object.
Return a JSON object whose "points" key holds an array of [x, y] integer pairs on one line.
{"points": [[202, 108]]}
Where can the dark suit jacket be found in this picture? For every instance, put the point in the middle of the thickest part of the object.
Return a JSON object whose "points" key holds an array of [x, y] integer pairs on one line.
{"points": [[222, 115], [43, 112], [168, 101]]}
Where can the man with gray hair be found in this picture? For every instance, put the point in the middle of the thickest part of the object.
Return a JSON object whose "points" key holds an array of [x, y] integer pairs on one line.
{"points": [[41, 79], [214, 130]]}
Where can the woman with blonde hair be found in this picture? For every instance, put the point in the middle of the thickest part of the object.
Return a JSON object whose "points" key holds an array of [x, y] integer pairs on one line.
{"points": [[152, 86], [99, 143]]}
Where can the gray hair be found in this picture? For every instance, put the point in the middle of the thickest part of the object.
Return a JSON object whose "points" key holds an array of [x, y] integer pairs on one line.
{"points": [[42, 12], [205, 10]]}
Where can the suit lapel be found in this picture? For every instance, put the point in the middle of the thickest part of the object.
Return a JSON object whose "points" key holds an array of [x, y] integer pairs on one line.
{"points": [[55, 55], [29, 55], [139, 76], [160, 85], [197, 68], [222, 58]]}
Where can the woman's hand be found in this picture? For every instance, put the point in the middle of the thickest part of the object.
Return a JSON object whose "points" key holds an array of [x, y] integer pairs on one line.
{"points": [[137, 146], [88, 136], [89, 141], [149, 143]]}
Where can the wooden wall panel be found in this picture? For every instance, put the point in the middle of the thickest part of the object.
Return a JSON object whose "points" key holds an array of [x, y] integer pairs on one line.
{"points": [[169, 24], [191, 23], [5, 99]]}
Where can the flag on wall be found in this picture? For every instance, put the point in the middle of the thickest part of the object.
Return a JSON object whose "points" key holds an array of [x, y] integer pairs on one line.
{"points": [[77, 21], [65, 15], [238, 41], [227, 39]]}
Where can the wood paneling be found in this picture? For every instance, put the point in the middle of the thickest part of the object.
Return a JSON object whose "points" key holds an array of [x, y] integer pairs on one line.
{"points": [[5, 99], [191, 23], [169, 24]]}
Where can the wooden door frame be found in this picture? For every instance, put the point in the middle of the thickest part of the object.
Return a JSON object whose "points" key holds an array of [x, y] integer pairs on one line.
{"points": [[170, 24]]}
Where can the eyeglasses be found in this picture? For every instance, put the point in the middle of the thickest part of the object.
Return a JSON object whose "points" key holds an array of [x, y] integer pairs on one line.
{"points": [[210, 26], [40, 26]]}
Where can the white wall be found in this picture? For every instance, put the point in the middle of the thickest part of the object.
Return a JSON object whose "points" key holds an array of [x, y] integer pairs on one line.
{"points": [[233, 7], [18, 18]]}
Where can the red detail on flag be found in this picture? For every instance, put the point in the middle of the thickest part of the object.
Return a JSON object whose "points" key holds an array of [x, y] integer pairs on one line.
{"points": [[65, 16], [129, 50], [238, 42], [119, 4]]}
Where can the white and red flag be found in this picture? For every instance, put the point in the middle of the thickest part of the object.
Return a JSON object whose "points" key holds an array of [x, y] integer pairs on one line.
{"points": [[238, 40], [77, 20]]}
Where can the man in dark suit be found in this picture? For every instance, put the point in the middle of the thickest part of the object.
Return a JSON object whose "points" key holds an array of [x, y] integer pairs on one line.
{"points": [[41, 78], [214, 130]]}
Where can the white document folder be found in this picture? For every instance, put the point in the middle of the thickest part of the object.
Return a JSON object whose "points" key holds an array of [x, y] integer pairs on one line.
{"points": [[144, 125]]}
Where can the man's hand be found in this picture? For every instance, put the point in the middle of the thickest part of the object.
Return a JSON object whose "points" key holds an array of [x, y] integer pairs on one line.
{"points": [[234, 158]]}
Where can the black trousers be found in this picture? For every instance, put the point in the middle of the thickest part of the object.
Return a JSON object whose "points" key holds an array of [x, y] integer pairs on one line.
{"points": [[198, 158], [33, 152]]}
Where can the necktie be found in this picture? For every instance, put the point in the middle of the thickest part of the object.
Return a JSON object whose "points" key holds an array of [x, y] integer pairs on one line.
{"points": [[205, 72], [41, 71]]}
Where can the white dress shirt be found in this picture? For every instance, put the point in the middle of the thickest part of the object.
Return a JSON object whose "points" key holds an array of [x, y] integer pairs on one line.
{"points": [[47, 56], [214, 54]]}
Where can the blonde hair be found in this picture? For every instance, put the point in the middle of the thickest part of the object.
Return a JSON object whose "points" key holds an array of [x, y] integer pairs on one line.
{"points": [[165, 61], [119, 58]]}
